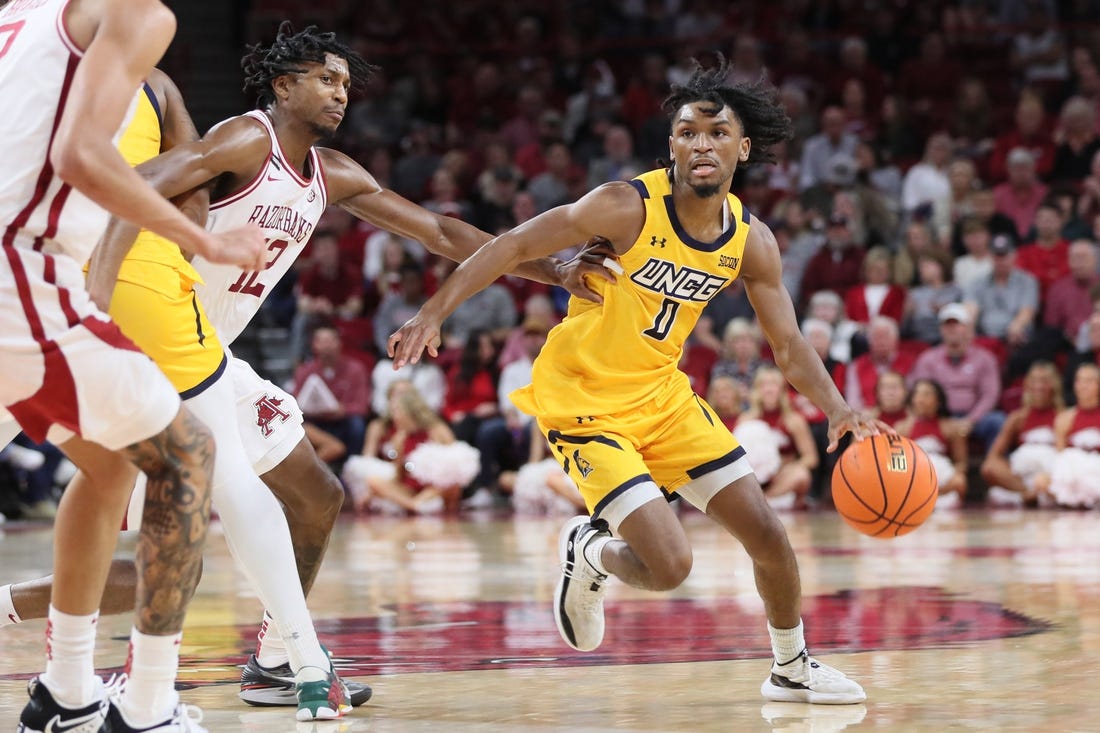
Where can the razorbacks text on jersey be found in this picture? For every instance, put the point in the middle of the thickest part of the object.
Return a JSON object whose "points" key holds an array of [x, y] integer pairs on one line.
{"points": [[37, 209], [613, 357], [286, 207]]}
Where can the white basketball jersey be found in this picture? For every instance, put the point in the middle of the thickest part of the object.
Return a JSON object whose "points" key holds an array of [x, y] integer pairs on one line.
{"points": [[286, 207], [37, 63]]}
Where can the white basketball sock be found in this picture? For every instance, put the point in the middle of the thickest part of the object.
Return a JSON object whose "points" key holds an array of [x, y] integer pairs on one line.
{"points": [[787, 644], [255, 528], [150, 694], [593, 553], [70, 666], [8, 614], [270, 649]]}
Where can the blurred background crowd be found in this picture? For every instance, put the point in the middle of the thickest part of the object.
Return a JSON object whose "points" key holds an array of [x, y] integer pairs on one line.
{"points": [[938, 210]]}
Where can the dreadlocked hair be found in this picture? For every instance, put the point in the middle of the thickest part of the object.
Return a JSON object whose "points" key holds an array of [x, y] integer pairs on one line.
{"points": [[287, 54], [756, 106]]}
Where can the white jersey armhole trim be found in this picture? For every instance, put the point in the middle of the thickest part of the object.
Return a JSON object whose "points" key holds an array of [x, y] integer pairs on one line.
{"points": [[251, 185], [319, 175], [63, 32], [276, 145]]}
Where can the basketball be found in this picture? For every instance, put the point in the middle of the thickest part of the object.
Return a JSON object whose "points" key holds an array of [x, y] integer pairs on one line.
{"points": [[884, 486]]}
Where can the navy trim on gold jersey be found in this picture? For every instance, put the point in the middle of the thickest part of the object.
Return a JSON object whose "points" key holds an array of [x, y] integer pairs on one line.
{"points": [[205, 384], [555, 436], [619, 491], [156, 105], [714, 246], [640, 187], [711, 466]]}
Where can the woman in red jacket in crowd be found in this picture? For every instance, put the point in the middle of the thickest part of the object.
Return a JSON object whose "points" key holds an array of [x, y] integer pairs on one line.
{"points": [[876, 295]]}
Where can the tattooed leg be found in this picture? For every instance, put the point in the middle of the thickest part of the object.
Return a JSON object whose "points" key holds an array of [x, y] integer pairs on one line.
{"points": [[312, 497], [178, 464]]}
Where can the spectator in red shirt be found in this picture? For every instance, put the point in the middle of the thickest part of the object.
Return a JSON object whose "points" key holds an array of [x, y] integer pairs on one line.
{"points": [[1069, 301], [1019, 197], [929, 80], [643, 96], [472, 387], [1031, 133], [854, 65], [329, 288], [837, 265], [876, 296], [883, 355], [333, 390], [1047, 257]]}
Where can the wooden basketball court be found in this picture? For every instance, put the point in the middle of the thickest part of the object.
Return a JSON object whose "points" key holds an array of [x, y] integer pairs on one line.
{"points": [[979, 620]]}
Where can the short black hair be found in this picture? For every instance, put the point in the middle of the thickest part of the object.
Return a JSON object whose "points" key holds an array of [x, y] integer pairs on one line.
{"points": [[763, 119], [287, 54]]}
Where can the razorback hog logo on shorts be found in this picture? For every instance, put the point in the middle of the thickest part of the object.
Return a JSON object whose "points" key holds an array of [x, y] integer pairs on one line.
{"points": [[267, 411]]}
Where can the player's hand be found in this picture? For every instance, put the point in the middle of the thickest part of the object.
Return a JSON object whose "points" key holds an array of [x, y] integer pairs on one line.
{"points": [[407, 343], [243, 247], [859, 424], [598, 258]]}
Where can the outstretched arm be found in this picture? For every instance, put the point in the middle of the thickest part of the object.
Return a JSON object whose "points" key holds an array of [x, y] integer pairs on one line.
{"points": [[800, 364], [356, 191], [613, 211]]}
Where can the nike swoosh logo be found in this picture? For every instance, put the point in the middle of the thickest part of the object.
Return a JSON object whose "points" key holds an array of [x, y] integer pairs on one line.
{"points": [[90, 723], [13, 619], [274, 179]]}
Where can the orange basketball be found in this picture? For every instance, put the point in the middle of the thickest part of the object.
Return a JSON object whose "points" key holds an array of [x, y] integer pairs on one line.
{"points": [[884, 486]]}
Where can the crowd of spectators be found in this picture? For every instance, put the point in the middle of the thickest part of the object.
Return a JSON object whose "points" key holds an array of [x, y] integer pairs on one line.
{"points": [[938, 207]]}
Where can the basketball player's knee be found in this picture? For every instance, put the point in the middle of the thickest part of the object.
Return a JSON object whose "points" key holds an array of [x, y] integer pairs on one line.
{"points": [[771, 541], [185, 447], [330, 496], [312, 499], [671, 572]]}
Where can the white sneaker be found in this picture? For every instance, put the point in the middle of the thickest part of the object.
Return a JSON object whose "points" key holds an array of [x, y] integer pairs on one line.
{"points": [[804, 679], [950, 500], [998, 496], [578, 599], [480, 499], [184, 719]]}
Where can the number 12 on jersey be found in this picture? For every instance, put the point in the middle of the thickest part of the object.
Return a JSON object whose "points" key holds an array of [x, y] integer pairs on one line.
{"points": [[662, 324], [246, 284]]}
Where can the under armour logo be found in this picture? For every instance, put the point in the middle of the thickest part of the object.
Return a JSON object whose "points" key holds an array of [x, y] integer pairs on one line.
{"points": [[654, 242], [267, 411]]}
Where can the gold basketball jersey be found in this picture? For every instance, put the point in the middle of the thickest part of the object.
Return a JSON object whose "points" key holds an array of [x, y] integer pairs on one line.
{"points": [[604, 359], [141, 142], [154, 301]]}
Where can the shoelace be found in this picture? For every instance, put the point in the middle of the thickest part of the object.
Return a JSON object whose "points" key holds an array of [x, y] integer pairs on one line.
{"points": [[823, 671], [114, 685], [188, 714], [184, 714]]}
